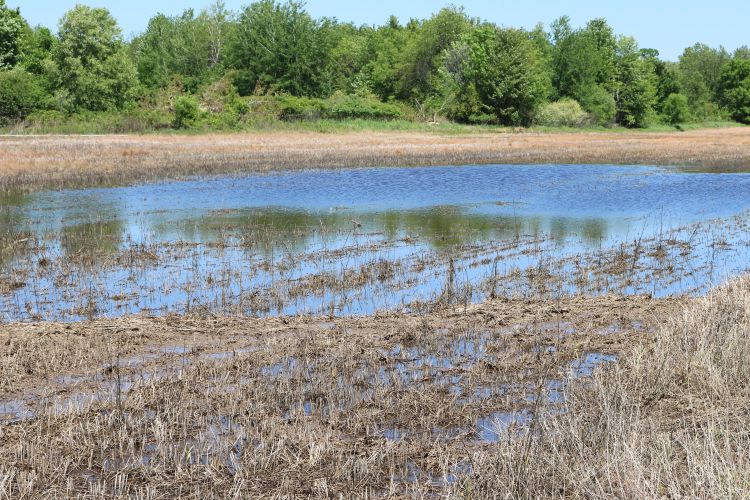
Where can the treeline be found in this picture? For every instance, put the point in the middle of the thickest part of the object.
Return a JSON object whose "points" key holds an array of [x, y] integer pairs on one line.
{"points": [[273, 60]]}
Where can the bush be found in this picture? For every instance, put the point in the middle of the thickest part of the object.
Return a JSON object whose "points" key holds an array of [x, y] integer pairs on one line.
{"points": [[21, 93], [186, 111], [339, 106], [300, 108], [676, 109], [600, 103], [563, 113], [342, 106]]}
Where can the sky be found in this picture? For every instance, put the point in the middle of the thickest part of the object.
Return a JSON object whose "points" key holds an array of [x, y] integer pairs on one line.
{"points": [[666, 25]]}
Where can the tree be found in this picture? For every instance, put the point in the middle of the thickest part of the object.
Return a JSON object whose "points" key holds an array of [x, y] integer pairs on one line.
{"points": [[192, 47], [279, 46], [582, 59], [735, 89], [635, 89], [699, 76], [421, 56], [12, 25], [495, 72], [93, 69], [383, 55], [37, 45]]}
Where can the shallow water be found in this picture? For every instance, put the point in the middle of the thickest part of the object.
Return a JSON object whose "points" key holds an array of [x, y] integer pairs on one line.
{"points": [[212, 243]]}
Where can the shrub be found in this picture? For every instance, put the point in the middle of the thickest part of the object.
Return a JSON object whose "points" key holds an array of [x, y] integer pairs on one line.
{"points": [[342, 106], [600, 103], [676, 109], [563, 113], [21, 93], [186, 111], [300, 108]]}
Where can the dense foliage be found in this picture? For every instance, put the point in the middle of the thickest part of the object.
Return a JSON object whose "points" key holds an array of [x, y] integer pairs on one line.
{"points": [[273, 61]]}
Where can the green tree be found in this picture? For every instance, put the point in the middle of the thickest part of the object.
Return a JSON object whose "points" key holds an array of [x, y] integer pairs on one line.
{"points": [[421, 56], [93, 69], [37, 45], [495, 72], [635, 89], [189, 46], [583, 59], [699, 77], [279, 46], [12, 26], [383, 55], [735, 89]]}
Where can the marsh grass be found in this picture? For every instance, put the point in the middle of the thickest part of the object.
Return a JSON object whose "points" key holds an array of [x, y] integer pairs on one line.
{"points": [[373, 406], [670, 419], [39, 162]]}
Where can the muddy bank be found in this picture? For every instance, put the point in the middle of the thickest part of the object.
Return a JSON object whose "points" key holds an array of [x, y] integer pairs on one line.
{"points": [[38, 162]]}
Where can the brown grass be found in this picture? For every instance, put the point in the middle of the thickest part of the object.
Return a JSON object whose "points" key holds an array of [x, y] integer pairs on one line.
{"points": [[34, 162], [286, 407], [671, 420]]}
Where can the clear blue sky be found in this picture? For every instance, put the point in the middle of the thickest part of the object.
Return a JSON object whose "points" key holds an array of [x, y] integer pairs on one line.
{"points": [[667, 25]]}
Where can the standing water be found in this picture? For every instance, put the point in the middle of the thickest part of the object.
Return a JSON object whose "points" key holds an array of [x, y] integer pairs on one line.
{"points": [[355, 241]]}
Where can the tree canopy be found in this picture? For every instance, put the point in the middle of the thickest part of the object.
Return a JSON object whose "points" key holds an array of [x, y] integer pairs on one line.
{"points": [[446, 65]]}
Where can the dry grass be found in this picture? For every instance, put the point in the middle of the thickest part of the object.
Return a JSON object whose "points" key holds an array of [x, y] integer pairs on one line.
{"points": [[671, 420], [390, 405], [34, 162]]}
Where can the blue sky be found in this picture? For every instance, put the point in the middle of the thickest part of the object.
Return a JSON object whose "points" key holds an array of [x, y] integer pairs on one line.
{"points": [[668, 26]]}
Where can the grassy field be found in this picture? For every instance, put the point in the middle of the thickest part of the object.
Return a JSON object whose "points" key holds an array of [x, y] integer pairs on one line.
{"points": [[37, 162]]}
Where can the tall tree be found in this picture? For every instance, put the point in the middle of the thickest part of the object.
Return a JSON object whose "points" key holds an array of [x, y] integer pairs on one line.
{"points": [[189, 46], [699, 76], [93, 69], [421, 56], [279, 46], [635, 88], [12, 25], [496, 72], [734, 89]]}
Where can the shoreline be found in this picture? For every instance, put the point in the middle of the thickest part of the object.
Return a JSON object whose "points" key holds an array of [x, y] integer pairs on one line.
{"points": [[32, 163]]}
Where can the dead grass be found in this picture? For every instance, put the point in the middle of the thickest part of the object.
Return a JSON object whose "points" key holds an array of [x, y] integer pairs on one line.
{"points": [[35, 162], [287, 407], [671, 420]]}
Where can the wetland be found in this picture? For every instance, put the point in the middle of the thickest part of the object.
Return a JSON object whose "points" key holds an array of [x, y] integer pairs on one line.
{"points": [[421, 331]]}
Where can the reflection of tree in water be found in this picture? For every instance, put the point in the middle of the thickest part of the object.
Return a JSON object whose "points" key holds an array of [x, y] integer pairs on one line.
{"points": [[92, 239], [592, 230], [15, 237], [440, 226]]}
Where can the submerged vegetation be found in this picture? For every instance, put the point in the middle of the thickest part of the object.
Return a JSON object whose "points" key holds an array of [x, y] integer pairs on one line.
{"points": [[220, 70]]}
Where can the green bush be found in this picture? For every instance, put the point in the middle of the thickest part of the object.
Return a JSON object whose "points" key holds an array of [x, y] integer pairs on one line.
{"points": [[563, 113], [300, 108], [342, 106], [600, 103], [21, 93], [676, 109], [186, 111]]}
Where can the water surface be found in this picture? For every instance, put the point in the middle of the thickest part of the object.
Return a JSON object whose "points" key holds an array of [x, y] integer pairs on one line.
{"points": [[214, 242]]}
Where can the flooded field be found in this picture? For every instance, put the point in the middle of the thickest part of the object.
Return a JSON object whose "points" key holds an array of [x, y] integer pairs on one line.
{"points": [[415, 332], [352, 242]]}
